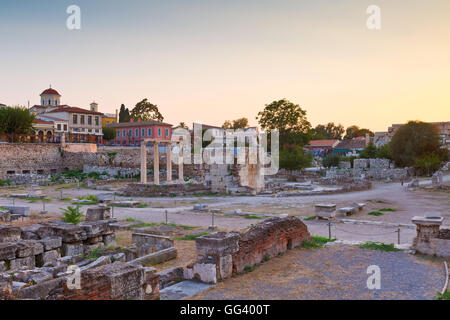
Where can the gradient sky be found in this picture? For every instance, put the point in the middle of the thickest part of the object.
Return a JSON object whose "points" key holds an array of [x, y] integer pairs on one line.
{"points": [[214, 60]]}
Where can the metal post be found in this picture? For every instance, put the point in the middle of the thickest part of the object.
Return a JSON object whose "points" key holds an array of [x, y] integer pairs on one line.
{"points": [[60, 195], [398, 230], [212, 218], [329, 230], [14, 201], [167, 219]]}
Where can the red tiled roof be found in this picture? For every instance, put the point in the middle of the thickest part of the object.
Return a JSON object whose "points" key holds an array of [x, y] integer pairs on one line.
{"points": [[322, 143], [50, 91], [74, 110], [39, 121]]}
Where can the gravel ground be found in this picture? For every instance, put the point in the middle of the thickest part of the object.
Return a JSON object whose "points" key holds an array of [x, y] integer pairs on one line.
{"points": [[338, 272]]}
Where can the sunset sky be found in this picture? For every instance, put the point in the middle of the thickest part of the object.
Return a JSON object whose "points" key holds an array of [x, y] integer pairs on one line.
{"points": [[214, 60]]}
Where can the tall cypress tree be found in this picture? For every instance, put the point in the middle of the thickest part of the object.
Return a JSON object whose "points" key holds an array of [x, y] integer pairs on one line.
{"points": [[124, 114]]}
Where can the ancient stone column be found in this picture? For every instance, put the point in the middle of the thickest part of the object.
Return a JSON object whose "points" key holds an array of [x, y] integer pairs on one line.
{"points": [[143, 162], [156, 162], [169, 161], [180, 164]]}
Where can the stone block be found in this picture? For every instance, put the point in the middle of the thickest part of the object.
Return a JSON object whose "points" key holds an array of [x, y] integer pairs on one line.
{"points": [[170, 277], [109, 240], [155, 242], [91, 247], [48, 257], [67, 231], [26, 248], [217, 244], [9, 233], [156, 257], [51, 243], [200, 207], [40, 291], [104, 260], [5, 215], [20, 210], [2, 266], [347, 211], [72, 249], [8, 251], [205, 272], [98, 213], [95, 229], [119, 257], [28, 262], [325, 211]]}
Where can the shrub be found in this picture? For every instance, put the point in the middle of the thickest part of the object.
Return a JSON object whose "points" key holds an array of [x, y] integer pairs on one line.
{"points": [[331, 160], [378, 246], [72, 215]]}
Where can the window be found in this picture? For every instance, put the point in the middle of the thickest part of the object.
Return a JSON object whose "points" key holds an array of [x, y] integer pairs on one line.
{"points": [[81, 119], [65, 127], [167, 132], [49, 102], [149, 132], [130, 133], [124, 134], [96, 121], [118, 134], [136, 133], [143, 132], [56, 102], [90, 120], [58, 126], [75, 119], [43, 102], [159, 132]]}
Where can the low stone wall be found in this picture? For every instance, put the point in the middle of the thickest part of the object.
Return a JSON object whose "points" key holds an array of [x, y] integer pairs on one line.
{"points": [[222, 254], [148, 190], [431, 239]]}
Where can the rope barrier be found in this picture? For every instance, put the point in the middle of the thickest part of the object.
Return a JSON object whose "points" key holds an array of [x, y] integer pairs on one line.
{"points": [[365, 234]]}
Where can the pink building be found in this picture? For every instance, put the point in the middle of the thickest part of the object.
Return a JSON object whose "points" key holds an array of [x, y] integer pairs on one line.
{"points": [[133, 132]]}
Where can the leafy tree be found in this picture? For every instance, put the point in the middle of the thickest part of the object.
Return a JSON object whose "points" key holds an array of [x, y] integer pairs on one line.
{"points": [[428, 163], [415, 140], [383, 152], [328, 131], [331, 160], [183, 125], [288, 118], [16, 121], [295, 158], [109, 133], [355, 132], [124, 114], [241, 123], [369, 152], [146, 111]]}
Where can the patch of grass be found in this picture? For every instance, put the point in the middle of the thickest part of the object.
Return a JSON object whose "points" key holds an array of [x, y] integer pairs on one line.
{"points": [[142, 205], [379, 246], [309, 218], [375, 213], [445, 296], [85, 203], [191, 237], [249, 268], [380, 201], [94, 254], [253, 217], [388, 210], [316, 242]]}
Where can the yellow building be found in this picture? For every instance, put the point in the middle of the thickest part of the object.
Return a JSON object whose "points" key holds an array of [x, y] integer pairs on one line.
{"points": [[108, 118]]}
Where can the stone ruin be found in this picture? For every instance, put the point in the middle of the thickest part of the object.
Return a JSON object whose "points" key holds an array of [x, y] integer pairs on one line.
{"points": [[431, 239], [437, 180], [35, 260], [220, 255], [376, 169]]}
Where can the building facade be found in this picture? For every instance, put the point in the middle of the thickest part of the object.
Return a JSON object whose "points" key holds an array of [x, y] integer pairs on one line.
{"points": [[133, 132]]}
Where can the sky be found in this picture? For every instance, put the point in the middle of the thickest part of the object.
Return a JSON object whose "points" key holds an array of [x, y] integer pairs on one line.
{"points": [[215, 60]]}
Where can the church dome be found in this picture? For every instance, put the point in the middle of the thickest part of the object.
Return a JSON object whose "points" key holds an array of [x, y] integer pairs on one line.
{"points": [[50, 91]]}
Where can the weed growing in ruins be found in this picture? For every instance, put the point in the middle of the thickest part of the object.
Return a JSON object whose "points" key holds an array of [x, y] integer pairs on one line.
{"points": [[87, 200], [72, 215], [253, 217], [192, 237], [445, 296], [388, 210], [316, 242], [309, 218], [249, 268], [94, 254], [4, 183], [375, 213], [379, 246]]}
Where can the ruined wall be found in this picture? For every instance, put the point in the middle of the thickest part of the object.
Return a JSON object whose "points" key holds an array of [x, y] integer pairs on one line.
{"points": [[222, 254]]}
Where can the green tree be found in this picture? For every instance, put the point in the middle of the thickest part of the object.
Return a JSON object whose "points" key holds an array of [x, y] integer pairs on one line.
{"points": [[415, 140], [369, 152], [124, 114], [183, 125], [428, 163], [355, 132], [16, 121], [240, 123], [289, 119], [331, 160], [295, 158], [146, 111], [109, 133], [328, 131], [383, 152]]}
